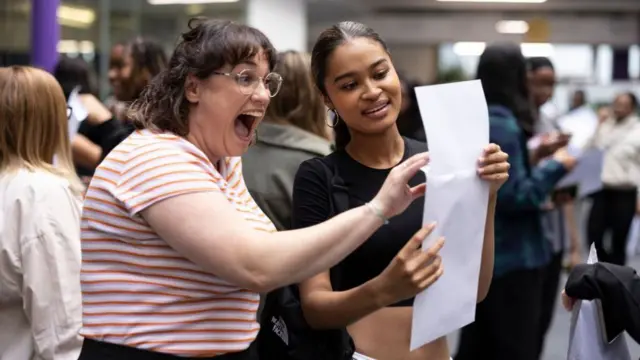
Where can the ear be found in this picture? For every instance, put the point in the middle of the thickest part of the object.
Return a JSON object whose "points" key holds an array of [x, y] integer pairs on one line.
{"points": [[192, 89], [328, 103]]}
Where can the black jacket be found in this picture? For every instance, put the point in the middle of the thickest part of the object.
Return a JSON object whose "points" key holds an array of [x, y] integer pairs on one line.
{"points": [[617, 288]]}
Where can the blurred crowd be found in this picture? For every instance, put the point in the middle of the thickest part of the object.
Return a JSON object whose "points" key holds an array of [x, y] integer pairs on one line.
{"points": [[154, 223]]}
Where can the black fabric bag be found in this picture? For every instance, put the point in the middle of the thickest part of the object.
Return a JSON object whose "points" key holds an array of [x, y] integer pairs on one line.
{"points": [[284, 333]]}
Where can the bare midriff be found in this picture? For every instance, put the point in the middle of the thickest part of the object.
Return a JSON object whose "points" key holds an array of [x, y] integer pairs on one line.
{"points": [[386, 335]]}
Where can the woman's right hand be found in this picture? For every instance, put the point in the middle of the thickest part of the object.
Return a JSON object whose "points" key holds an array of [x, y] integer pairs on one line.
{"points": [[565, 158], [395, 195], [411, 270]]}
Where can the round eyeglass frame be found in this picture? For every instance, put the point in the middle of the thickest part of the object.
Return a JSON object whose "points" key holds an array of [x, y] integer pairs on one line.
{"points": [[248, 90]]}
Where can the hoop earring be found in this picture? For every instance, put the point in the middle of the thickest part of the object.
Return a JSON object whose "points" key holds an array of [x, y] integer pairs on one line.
{"points": [[336, 118]]}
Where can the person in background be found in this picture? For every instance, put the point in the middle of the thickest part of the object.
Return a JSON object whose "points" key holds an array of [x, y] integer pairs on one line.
{"points": [[507, 324], [373, 296], [558, 217], [175, 251], [116, 63], [294, 130], [618, 202], [73, 73], [409, 119], [142, 59], [40, 298], [578, 100], [604, 113]]}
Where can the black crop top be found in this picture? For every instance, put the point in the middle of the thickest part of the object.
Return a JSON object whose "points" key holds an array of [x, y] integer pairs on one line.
{"points": [[311, 205]]}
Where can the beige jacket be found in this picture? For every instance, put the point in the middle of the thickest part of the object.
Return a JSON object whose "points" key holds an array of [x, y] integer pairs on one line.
{"points": [[620, 141]]}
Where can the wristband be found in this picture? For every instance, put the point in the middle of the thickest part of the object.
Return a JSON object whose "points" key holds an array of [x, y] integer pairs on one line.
{"points": [[377, 212]]}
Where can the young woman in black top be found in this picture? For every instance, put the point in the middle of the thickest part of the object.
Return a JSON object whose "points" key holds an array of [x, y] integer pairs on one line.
{"points": [[373, 296]]}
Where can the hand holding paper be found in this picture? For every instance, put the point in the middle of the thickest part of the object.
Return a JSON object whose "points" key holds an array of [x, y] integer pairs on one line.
{"points": [[412, 270]]}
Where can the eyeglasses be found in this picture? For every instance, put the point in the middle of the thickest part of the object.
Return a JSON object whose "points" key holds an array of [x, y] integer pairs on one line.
{"points": [[248, 81], [69, 112]]}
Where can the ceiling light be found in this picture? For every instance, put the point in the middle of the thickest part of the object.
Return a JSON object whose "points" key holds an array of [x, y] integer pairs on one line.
{"points": [[528, 49], [188, 2], [512, 27], [75, 16], [498, 1], [468, 48], [537, 49]]}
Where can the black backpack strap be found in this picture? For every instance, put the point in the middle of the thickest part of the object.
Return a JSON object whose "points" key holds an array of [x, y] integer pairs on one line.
{"points": [[338, 191], [338, 203]]}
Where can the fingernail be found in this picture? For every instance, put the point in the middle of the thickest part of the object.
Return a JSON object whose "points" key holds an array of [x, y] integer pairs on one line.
{"points": [[432, 225]]}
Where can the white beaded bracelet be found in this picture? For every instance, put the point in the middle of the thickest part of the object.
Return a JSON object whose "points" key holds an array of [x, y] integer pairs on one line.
{"points": [[377, 212]]}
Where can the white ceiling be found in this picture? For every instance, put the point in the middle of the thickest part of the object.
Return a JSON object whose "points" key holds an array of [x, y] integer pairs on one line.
{"points": [[327, 10], [333, 10]]}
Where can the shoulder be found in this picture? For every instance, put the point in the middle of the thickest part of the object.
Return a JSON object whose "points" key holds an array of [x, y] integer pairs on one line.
{"points": [[314, 168], [39, 193], [414, 147], [145, 150], [502, 122], [38, 185]]}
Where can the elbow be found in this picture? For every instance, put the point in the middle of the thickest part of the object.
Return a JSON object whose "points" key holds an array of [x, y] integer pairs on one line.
{"points": [[260, 281], [483, 288]]}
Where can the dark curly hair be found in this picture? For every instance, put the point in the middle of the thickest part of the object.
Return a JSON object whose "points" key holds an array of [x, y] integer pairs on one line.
{"points": [[208, 46]]}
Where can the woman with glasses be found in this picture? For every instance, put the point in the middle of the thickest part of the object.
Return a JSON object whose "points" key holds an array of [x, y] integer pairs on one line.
{"points": [[40, 298], [175, 251]]}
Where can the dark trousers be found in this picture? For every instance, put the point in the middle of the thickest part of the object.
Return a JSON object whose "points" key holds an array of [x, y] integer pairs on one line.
{"points": [[612, 211], [550, 292], [507, 322], [98, 350]]}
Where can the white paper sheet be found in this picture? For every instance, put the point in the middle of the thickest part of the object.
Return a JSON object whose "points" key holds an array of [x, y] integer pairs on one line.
{"points": [[78, 112], [581, 124], [587, 173], [456, 121], [587, 340]]}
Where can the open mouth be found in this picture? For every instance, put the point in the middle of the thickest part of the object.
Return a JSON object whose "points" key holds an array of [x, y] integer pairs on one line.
{"points": [[246, 123]]}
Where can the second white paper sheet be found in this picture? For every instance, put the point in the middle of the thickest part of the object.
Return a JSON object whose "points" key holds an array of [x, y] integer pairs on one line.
{"points": [[456, 121]]}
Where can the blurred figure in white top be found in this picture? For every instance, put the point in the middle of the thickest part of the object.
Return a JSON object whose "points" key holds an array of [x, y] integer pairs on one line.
{"points": [[40, 298]]}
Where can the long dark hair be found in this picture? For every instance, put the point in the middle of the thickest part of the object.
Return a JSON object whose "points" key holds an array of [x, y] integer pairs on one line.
{"points": [[75, 72], [503, 71], [148, 60], [206, 47], [326, 44]]}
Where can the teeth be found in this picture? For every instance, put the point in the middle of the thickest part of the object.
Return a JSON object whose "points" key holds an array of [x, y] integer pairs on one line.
{"points": [[253, 113]]}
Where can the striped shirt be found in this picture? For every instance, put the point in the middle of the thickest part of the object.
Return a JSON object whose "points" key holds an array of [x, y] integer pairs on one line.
{"points": [[137, 290]]}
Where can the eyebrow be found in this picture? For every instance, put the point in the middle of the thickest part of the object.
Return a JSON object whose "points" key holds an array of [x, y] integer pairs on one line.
{"points": [[248, 62], [352, 73]]}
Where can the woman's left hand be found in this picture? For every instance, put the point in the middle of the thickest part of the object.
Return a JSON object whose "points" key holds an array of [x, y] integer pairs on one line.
{"points": [[494, 167]]}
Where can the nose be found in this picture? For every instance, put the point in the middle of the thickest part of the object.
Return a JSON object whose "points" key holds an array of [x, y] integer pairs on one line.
{"points": [[261, 94], [372, 91]]}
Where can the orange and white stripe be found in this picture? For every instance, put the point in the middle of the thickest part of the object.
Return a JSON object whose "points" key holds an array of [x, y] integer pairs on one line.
{"points": [[137, 290]]}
